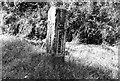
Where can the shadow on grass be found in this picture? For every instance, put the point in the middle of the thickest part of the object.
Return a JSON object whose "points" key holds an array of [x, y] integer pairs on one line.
{"points": [[19, 61]]}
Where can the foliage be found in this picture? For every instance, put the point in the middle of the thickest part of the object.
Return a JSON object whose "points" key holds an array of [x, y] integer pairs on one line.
{"points": [[24, 18], [90, 22], [95, 23]]}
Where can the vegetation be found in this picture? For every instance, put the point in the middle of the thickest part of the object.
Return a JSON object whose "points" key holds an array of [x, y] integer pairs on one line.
{"points": [[95, 23], [25, 19], [89, 22], [20, 60]]}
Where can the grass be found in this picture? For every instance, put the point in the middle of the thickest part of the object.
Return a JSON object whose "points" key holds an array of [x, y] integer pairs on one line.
{"points": [[20, 59]]}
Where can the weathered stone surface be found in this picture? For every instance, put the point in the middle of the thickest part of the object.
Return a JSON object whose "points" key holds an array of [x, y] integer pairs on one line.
{"points": [[50, 28], [56, 31]]}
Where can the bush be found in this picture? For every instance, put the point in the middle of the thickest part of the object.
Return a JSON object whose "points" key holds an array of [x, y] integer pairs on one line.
{"points": [[102, 16], [90, 34], [23, 19]]}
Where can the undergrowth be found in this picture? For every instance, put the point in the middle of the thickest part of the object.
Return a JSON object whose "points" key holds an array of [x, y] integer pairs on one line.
{"points": [[20, 60]]}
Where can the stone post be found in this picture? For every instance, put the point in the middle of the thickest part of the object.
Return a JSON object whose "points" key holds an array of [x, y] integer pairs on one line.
{"points": [[56, 33]]}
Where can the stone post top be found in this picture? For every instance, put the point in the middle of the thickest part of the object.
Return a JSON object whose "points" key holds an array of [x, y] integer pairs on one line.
{"points": [[57, 8], [54, 4]]}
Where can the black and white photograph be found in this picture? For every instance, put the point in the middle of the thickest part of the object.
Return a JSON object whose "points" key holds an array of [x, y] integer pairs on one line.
{"points": [[60, 39]]}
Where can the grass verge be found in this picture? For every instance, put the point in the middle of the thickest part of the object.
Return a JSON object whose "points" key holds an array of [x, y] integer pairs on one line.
{"points": [[20, 60]]}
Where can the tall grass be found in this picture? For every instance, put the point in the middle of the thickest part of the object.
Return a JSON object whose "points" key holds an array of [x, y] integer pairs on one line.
{"points": [[20, 59]]}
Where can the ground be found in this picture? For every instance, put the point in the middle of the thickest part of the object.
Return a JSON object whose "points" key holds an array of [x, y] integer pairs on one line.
{"points": [[95, 55], [21, 59]]}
